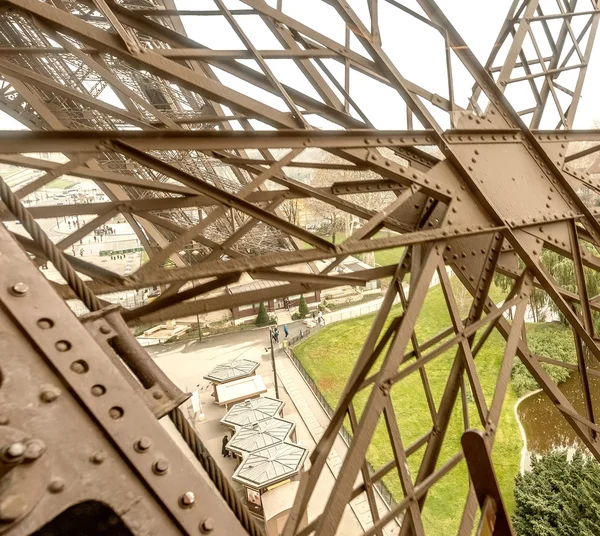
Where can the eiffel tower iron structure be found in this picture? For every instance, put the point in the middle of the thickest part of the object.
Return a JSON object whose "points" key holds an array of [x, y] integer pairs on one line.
{"points": [[198, 148]]}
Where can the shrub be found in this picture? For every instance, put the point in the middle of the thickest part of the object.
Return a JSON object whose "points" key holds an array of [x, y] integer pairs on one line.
{"points": [[302, 307], [262, 319], [548, 339], [558, 496]]}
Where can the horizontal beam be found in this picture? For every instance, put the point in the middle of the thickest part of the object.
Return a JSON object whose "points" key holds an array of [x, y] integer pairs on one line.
{"points": [[233, 300], [20, 141], [183, 53], [94, 174], [273, 260], [87, 141]]}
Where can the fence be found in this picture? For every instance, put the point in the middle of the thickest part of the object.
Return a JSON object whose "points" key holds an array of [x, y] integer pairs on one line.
{"points": [[381, 488]]}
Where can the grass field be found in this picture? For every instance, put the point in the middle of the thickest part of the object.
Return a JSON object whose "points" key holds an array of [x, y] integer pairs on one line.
{"points": [[61, 184], [382, 257], [329, 357]]}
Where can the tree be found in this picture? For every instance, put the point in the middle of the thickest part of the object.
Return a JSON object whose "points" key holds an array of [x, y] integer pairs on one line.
{"points": [[558, 497], [302, 307], [334, 219], [291, 210], [262, 319]]}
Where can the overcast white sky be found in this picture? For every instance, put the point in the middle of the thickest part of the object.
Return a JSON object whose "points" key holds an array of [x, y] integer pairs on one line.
{"points": [[416, 49]]}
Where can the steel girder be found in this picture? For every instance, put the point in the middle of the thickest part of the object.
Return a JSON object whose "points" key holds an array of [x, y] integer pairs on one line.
{"points": [[478, 187]]}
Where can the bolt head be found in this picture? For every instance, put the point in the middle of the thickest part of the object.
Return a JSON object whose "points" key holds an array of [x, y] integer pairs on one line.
{"points": [[143, 444], [160, 466], [207, 526], [105, 330], [187, 499], [19, 289], [15, 450], [12, 508]]}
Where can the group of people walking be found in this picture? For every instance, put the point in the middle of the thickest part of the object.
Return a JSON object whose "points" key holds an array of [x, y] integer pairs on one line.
{"points": [[101, 231], [318, 318], [275, 333]]}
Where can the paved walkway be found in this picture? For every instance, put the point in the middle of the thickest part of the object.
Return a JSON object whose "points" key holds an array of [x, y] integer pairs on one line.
{"points": [[317, 420], [187, 362]]}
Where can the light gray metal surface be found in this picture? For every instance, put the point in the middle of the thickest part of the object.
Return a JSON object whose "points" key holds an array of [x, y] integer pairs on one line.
{"points": [[254, 410], [270, 465], [232, 370], [260, 434]]}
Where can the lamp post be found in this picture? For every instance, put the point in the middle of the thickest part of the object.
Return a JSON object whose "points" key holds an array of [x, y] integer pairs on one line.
{"points": [[273, 363], [194, 252]]}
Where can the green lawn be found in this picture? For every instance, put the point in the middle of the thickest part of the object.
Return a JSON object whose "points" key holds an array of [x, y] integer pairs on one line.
{"points": [[61, 184], [388, 256], [329, 358]]}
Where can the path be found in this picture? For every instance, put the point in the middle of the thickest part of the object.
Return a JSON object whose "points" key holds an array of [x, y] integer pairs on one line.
{"points": [[187, 362]]}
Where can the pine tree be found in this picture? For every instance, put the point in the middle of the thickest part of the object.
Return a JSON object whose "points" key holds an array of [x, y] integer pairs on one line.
{"points": [[262, 319], [302, 307], [558, 497]]}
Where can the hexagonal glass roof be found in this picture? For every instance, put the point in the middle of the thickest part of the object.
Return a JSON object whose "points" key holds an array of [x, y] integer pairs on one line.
{"points": [[253, 410], [258, 435], [232, 370], [270, 465]]}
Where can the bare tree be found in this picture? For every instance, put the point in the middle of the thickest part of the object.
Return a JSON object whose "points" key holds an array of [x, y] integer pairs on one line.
{"points": [[336, 219], [291, 210]]}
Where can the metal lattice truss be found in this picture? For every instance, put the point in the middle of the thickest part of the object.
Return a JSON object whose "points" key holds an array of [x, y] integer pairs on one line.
{"points": [[472, 184]]}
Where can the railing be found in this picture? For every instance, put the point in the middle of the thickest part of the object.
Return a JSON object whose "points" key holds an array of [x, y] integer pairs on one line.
{"points": [[381, 488]]}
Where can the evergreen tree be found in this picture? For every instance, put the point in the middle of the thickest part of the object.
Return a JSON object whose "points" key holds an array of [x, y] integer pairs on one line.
{"points": [[262, 319], [558, 497], [302, 307]]}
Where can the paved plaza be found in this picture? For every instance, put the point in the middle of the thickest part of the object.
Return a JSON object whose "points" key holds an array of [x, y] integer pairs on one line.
{"points": [[187, 362]]}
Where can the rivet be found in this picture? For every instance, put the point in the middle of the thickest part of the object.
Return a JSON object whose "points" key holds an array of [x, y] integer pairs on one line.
{"points": [[98, 457], [63, 346], [98, 390], [105, 330], [45, 323], [34, 449], [49, 394], [79, 367], [116, 412], [19, 289], [160, 467], [56, 485]]}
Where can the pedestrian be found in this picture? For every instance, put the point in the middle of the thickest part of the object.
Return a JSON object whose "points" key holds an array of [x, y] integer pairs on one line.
{"points": [[320, 318], [286, 331], [224, 451], [276, 334], [95, 239], [314, 313], [81, 252]]}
